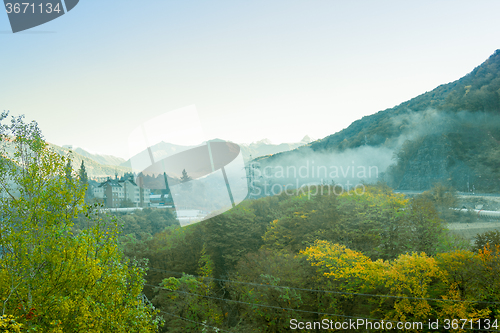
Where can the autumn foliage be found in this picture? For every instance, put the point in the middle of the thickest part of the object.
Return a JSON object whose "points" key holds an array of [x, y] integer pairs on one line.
{"points": [[52, 279], [377, 255]]}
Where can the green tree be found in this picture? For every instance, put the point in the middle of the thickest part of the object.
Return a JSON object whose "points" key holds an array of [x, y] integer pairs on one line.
{"points": [[303, 221], [83, 174], [274, 271], [68, 170], [185, 297], [185, 177], [425, 226], [84, 181], [491, 238], [52, 280], [443, 197]]}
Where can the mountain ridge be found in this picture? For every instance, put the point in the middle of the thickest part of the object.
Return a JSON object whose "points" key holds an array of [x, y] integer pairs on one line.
{"points": [[461, 117], [100, 158], [259, 148]]}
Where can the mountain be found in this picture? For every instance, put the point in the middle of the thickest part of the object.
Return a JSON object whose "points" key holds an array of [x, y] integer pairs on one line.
{"points": [[107, 165], [478, 91], [259, 148], [265, 147], [101, 159], [449, 135], [159, 151], [93, 168]]}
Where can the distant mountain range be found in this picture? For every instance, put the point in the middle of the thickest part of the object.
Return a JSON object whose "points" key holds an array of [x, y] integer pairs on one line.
{"points": [[265, 147], [253, 150], [107, 165], [449, 135], [101, 159], [93, 167]]}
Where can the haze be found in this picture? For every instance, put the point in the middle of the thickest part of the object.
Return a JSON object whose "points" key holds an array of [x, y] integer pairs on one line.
{"points": [[277, 70]]}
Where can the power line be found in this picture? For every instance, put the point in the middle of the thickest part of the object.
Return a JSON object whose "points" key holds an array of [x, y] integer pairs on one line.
{"points": [[290, 309], [261, 305], [332, 291], [196, 322]]}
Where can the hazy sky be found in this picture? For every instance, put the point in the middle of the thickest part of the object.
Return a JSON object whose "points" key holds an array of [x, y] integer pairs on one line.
{"points": [[253, 69]]}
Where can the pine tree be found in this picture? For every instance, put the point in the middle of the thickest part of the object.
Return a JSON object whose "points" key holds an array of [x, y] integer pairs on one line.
{"points": [[83, 174], [84, 180], [68, 170], [185, 177]]}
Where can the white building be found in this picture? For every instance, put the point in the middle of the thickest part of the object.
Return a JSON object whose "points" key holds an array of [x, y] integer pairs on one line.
{"points": [[116, 192]]}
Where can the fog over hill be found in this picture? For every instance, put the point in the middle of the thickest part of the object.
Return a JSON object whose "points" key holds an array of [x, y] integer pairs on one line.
{"points": [[449, 135]]}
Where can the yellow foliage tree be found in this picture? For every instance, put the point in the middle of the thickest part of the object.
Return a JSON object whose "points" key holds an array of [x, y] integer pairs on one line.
{"points": [[444, 287], [411, 275], [339, 269]]}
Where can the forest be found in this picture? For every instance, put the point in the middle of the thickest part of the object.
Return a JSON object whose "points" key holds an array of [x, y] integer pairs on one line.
{"points": [[267, 264], [376, 256]]}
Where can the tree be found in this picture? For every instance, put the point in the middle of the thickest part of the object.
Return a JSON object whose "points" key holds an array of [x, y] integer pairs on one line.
{"points": [[379, 223], [68, 170], [84, 181], [186, 185], [417, 281], [190, 298], [185, 177], [52, 280], [273, 271], [443, 197], [425, 225], [83, 174], [484, 239], [463, 281], [341, 269]]}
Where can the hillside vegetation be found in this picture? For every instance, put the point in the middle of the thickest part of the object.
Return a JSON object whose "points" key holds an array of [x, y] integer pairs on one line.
{"points": [[381, 256], [449, 135], [478, 91]]}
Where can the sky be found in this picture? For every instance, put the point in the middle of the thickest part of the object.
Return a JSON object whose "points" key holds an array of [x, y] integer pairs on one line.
{"points": [[279, 69]]}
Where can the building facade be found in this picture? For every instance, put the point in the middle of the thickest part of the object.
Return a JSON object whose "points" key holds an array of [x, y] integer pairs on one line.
{"points": [[122, 192]]}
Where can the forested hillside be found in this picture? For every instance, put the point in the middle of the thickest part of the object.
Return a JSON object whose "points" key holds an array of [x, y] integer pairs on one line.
{"points": [[450, 134], [372, 255], [310, 255], [478, 91]]}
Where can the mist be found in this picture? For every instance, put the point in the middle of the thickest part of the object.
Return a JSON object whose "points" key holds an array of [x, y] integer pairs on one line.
{"points": [[364, 164], [307, 167]]}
